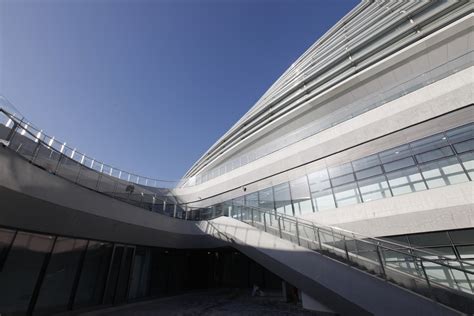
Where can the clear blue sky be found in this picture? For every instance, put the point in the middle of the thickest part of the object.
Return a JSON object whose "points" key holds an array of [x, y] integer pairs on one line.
{"points": [[149, 86]]}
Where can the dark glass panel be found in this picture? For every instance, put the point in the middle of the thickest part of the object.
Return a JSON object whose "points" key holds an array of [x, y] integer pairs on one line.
{"points": [[93, 275], [398, 164], [369, 172], [396, 153], [461, 133], [57, 284], [140, 282], [366, 162], [342, 179], [434, 154], [468, 145], [429, 239], [466, 252], [6, 237], [429, 143], [465, 236], [21, 271]]}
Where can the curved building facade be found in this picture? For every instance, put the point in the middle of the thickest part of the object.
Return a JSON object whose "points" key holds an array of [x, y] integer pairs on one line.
{"points": [[350, 181]]}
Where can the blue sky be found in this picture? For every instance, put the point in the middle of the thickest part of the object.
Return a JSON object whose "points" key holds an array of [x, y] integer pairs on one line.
{"points": [[149, 86]]}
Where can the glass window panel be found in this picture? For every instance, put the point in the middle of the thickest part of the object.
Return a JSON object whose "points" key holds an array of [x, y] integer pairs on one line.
{"points": [[323, 200], [465, 236], [93, 275], [57, 284], [468, 163], [21, 271], [319, 180], [366, 162], [346, 194], [369, 172], [429, 239], [374, 188], [405, 181], [399, 239], [237, 209], [301, 196], [461, 133], [6, 237], [440, 251], [340, 170], [443, 172], [342, 180], [435, 154], [466, 252], [464, 146], [265, 199], [398, 164], [396, 153], [252, 199], [429, 143], [282, 198]]}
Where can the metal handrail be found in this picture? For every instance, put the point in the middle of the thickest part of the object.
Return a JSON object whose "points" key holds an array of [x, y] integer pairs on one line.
{"points": [[363, 238], [299, 221], [140, 180]]}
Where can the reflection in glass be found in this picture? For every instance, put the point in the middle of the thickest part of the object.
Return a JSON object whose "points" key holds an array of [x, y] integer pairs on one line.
{"points": [[346, 194], [21, 270], [443, 172], [301, 196], [93, 275], [283, 199], [374, 188], [323, 200], [406, 181], [468, 163], [57, 284]]}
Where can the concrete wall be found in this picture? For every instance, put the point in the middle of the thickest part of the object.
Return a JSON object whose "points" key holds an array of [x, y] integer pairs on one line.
{"points": [[427, 103], [33, 199]]}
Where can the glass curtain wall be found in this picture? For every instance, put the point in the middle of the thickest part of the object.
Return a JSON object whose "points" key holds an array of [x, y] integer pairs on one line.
{"points": [[435, 161], [43, 274]]}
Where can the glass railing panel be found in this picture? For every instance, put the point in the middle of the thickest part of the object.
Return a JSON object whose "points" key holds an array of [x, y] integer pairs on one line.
{"points": [[88, 178], [47, 158], [107, 185], [69, 169]]}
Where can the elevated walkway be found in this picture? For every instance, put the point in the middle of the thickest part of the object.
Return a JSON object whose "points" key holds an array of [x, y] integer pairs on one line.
{"points": [[347, 273]]}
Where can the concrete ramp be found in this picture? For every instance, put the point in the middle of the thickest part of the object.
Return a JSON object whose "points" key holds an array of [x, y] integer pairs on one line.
{"points": [[337, 286]]}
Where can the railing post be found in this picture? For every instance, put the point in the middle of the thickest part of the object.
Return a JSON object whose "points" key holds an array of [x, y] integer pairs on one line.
{"points": [[57, 165], [251, 214], [12, 131], [345, 248], [264, 222], [382, 265], [35, 152], [98, 181], [297, 232], [279, 226], [319, 239]]}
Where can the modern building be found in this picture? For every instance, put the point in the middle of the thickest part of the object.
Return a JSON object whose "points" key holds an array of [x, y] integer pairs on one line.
{"points": [[349, 180]]}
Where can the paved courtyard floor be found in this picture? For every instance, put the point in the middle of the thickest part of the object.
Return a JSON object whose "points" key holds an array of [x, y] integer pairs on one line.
{"points": [[214, 303]]}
